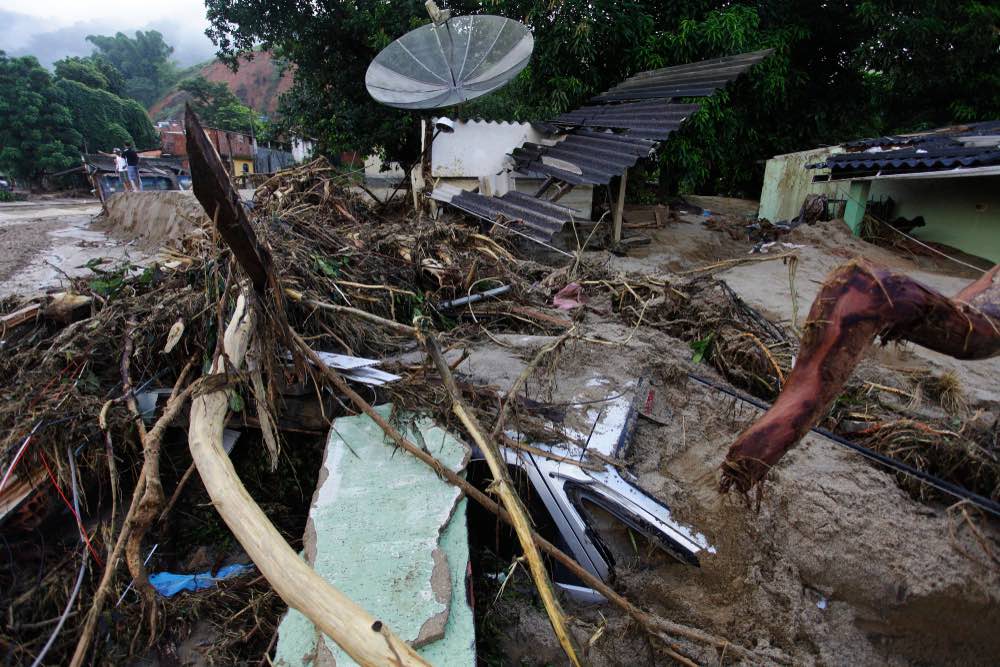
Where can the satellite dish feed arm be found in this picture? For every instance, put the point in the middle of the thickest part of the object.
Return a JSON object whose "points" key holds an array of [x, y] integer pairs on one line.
{"points": [[439, 16]]}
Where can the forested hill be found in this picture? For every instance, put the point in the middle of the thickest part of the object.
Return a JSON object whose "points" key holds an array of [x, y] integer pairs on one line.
{"points": [[258, 83]]}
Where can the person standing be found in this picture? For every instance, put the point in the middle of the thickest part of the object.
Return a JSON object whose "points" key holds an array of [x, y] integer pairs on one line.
{"points": [[121, 168], [132, 166]]}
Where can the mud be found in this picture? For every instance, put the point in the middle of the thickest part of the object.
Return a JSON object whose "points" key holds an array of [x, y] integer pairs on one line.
{"points": [[42, 243], [155, 220], [837, 565], [834, 564]]}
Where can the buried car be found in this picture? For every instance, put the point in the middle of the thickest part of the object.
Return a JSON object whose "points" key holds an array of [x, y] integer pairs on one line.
{"points": [[587, 501]]}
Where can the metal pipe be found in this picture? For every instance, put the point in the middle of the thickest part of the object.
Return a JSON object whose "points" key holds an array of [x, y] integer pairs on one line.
{"points": [[472, 298]]}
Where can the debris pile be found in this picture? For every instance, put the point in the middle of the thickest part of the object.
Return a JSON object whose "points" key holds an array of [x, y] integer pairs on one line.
{"points": [[106, 386]]}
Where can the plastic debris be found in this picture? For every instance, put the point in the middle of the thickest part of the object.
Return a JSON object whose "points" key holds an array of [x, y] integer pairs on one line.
{"points": [[169, 584], [569, 297]]}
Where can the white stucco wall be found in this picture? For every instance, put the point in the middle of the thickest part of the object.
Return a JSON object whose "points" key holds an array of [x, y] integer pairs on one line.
{"points": [[302, 149], [478, 148]]}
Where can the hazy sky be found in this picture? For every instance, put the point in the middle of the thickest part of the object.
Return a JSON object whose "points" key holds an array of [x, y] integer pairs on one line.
{"points": [[52, 29]]}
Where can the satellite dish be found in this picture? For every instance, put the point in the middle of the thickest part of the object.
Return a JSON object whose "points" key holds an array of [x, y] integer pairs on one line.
{"points": [[445, 63]]}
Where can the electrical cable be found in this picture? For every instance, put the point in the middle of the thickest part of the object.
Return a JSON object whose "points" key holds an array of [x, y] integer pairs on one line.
{"points": [[944, 486], [79, 577], [864, 205]]}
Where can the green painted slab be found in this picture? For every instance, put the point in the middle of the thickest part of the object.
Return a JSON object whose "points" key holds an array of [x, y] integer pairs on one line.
{"points": [[392, 536]]}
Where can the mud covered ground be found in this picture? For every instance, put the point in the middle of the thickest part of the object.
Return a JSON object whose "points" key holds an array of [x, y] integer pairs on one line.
{"points": [[835, 564], [838, 565], [43, 241]]}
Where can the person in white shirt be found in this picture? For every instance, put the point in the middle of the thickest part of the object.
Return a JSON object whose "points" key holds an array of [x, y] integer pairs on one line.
{"points": [[121, 166]]}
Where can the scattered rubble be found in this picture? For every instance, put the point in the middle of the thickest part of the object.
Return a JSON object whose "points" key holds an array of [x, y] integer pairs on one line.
{"points": [[838, 560]]}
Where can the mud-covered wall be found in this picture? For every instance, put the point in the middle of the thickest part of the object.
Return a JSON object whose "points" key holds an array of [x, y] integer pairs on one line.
{"points": [[154, 219]]}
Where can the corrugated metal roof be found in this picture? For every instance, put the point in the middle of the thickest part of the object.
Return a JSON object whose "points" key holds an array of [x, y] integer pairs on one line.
{"points": [[595, 143], [655, 116], [946, 148], [699, 79], [980, 129], [638, 112], [585, 158], [908, 158], [540, 219]]}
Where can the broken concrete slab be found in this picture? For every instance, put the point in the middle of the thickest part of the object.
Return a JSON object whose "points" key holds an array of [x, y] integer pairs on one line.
{"points": [[390, 534]]}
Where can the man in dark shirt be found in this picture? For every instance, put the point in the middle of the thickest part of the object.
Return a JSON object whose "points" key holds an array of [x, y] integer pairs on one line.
{"points": [[132, 162]]}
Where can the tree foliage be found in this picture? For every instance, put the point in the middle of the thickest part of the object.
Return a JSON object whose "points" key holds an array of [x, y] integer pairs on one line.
{"points": [[143, 60], [82, 70], [218, 107], [36, 128], [107, 121], [840, 70]]}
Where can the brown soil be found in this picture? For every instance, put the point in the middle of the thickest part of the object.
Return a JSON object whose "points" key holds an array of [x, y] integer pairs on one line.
{"points": [[155, 219], [837, 566]]}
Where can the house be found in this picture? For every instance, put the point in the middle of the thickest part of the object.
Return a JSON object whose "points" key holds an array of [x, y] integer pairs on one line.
{"points": [[475, 155], [947, 179], [236, 149]]}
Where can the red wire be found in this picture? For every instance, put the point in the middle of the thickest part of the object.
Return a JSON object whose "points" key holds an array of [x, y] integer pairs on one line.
{"points": [[79, 523]]}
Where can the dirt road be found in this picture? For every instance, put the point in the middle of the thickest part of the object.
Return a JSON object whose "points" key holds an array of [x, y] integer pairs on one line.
{"points": [[41, 242]]}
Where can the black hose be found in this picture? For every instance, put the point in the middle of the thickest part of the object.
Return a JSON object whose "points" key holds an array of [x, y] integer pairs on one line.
{"points": [[959, 492]]}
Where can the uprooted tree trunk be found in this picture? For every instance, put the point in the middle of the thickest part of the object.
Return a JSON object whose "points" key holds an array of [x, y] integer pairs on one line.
{"points": [[859, 301]]}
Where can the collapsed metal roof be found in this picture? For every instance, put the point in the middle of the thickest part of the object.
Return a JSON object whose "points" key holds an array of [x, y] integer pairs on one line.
{"points": [[944, 149], [596, 142]]}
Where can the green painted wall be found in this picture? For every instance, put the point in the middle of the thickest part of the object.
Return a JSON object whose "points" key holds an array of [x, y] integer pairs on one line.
{"points": [[787, 182], [961, 212]]}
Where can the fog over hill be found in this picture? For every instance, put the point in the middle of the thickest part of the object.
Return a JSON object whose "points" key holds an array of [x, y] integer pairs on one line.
{"points": [[24, 34]]}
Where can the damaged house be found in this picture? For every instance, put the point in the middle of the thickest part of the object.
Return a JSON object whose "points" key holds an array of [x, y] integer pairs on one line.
{"points": [[941, 186]]}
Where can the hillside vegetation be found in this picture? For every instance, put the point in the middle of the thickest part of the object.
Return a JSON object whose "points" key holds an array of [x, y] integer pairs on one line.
{"points": [[258, 83]]}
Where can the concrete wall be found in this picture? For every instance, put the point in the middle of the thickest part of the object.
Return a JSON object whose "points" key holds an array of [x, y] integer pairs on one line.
{"points": [[478, 147], [302, 149], [239, 164], [961, 212], [787, 182]]}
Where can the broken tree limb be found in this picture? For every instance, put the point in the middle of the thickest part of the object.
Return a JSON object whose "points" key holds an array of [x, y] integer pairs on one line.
{"points": [[131, 516], [505, 489], [295, 295], [859, 301], [214, 190], [521, 379], [654, 625], [365, 638]]}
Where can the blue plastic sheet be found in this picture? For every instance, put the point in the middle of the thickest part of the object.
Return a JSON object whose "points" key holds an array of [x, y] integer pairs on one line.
{"points": [[169, 584]]}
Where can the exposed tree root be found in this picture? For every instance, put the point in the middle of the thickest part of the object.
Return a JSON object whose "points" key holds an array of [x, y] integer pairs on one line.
{"points": [[859, 301]]}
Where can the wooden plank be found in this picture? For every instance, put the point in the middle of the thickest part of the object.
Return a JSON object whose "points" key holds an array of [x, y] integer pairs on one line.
{"points": [[620, 207], [18, 317], [214, 190]]}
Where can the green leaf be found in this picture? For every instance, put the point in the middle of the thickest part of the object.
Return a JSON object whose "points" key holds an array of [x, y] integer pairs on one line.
{"points": [[701, 348], [235, 401]]}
